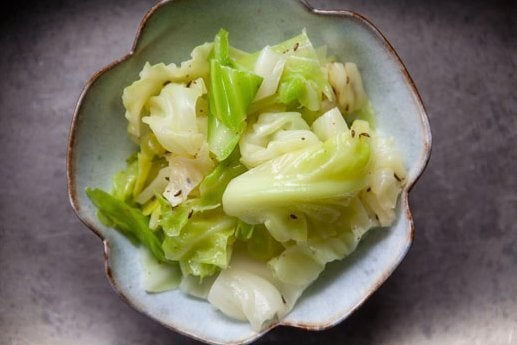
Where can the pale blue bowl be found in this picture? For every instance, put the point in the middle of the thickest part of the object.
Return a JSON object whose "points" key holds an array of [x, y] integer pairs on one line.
{"points": [[98, 146]]}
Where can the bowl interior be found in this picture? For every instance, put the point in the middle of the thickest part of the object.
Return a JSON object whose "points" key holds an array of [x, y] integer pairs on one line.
{"points": [[99, 146]]}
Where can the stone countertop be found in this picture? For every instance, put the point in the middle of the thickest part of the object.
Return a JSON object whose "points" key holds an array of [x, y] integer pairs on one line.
{"points": [[457, 285]]}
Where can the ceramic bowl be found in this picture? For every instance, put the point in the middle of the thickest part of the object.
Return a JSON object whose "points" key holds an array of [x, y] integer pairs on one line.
{"points": [[98, 146]]}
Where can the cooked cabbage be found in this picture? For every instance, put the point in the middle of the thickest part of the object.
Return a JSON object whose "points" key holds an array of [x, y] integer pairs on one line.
{"points": [[185, 174], [269, 66], [247, 290], [347, 83], [231, 93], [385, 181], [204, 244], [152, 79], [273, 135], [329, 124], [253, 171], [283, 191], [173, 118]]}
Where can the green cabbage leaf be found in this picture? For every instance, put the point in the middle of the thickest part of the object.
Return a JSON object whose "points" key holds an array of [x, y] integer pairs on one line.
{"points": [[294, 190], [231, 93], [130, 221], [303, 80]]}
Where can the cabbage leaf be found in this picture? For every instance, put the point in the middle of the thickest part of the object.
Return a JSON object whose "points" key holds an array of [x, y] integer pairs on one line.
{"points": [[213, 185], [173, 118], [204, 244], [246, 290], [303, 80], [385, 181], [231, 93], [330, 124], [311, 182], [124, 181], [185, 174], [274, 134], [152, 79], [128, 220], [269, 66], [347, 84]]}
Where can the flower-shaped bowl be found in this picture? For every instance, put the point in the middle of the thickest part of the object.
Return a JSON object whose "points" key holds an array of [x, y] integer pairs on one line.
{"points": [[99, 144]]}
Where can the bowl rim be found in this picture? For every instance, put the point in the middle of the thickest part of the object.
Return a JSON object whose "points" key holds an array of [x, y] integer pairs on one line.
{"points": [[420, 167]]}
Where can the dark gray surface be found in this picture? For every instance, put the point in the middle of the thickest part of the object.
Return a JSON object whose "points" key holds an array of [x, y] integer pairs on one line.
{"points": [[458, 284]]}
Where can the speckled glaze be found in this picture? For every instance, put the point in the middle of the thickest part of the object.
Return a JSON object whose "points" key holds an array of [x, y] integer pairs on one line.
{"points": [[98, 146]]}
